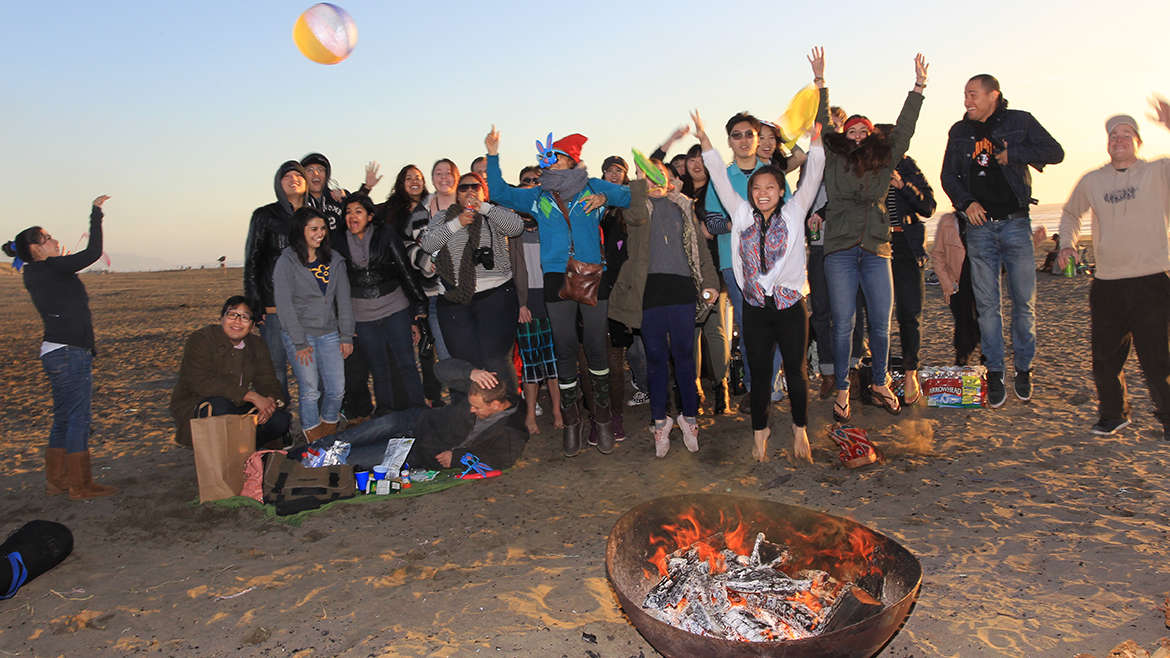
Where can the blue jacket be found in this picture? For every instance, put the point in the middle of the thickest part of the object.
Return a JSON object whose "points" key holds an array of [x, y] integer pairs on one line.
{"points": [[1028, 143], [554, 231]]}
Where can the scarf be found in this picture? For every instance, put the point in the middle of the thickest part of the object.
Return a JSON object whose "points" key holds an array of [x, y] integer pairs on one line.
{"points": [[566, 182], [460, 290]]}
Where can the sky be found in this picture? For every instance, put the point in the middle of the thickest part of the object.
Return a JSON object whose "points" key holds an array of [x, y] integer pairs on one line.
{"points": [[181, 112]]}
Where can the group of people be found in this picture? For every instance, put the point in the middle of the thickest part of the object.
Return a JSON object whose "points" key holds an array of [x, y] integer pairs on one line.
{"points": [[566, 279]]}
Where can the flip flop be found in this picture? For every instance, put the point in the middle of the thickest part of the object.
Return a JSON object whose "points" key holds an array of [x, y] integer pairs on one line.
{"points": [[890, 404], [841, 417]]}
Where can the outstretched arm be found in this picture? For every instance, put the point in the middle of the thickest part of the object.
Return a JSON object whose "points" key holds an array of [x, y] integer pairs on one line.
{"points": [[908, 117], [678, 134], [1161, 112], [717, 171], [93, 248], [502, 193]]}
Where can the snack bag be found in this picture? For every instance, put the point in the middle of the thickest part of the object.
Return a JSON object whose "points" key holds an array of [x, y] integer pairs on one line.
{"points": [[856, 448]]}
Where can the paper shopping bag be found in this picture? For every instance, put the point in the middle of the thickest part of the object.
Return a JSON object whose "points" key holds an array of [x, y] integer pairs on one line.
{"points": [[222, 444]]}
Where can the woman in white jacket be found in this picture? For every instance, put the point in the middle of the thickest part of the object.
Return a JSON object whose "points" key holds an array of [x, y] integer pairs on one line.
{"points": [[768, 259]]}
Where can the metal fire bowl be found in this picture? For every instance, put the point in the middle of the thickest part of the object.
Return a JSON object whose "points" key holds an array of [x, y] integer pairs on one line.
{"points": [[628, 551]]}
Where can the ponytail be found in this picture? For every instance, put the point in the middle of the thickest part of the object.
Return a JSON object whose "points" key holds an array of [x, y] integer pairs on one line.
{"points": [[20, 247]]}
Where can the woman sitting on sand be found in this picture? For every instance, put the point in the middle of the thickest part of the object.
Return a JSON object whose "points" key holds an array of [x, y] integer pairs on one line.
{"points": [[478, 310], [316, 320], [768, 258], [858, 167], [66, 351]]}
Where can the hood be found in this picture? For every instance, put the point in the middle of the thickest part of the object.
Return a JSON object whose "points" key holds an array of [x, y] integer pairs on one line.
{"points": [[291, 165], [319, 159]]}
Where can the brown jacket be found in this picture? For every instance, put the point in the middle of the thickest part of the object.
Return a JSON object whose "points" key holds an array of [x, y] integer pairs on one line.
{"points": [[625, 302], [212, 366], [947, 254]]}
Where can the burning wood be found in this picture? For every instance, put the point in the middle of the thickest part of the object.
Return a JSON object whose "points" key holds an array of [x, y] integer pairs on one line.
{"points": [[718, 592]]}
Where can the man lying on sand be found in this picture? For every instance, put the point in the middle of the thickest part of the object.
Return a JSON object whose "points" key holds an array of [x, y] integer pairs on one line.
{"points": [[1129, 301], [487, 423]]}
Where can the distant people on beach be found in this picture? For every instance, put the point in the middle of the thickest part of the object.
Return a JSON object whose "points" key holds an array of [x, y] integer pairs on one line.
{"points": [[66, 351], [1129, 298], [227, 368], [985, 174]]}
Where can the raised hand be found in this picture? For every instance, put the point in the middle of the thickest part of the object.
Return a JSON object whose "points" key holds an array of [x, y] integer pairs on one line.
{"points": [[704, 140], [920, 69], [100, 200], [816, 59], [1161, 112], [492, 141], [372, 177]]}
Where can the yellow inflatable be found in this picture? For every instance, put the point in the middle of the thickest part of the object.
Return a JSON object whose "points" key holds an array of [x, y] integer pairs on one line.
{"points": [[325, 33], [800, 115]]}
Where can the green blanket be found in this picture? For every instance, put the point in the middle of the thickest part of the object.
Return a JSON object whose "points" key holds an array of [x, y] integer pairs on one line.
{"points": [[444, 480]]}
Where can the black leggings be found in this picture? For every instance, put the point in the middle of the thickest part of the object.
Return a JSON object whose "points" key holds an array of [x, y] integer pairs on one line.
{"points": [[909, 289], [763, 330]]}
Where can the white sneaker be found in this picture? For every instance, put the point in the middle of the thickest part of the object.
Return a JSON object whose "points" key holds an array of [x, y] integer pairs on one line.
{"points": [[639, 398], [690, 432], [538, 411], [662, 437]]}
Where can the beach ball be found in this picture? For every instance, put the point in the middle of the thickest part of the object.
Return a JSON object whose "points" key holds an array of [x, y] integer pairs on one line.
{"points": [[325, 33]]}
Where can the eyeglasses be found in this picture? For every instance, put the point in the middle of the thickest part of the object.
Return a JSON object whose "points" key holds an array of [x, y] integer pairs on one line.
{"points": [[529, 181], [467, 187], [236, 315], [747, 134]]}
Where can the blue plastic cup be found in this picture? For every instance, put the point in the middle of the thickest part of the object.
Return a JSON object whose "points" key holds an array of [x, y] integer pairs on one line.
{"points": [[380, 472], [363, 480]]}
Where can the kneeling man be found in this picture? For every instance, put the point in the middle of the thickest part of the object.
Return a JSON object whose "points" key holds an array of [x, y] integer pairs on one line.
{"points": [[228, 367]]}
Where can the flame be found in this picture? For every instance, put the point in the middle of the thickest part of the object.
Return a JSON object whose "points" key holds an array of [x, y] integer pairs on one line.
{"points": [[808, 600]]}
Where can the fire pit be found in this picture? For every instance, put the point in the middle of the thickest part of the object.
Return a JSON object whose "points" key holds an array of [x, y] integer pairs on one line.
{"points": [[848, 551]]}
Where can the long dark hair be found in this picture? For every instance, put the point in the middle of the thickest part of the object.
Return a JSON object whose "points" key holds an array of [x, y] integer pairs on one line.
{"points": [[296, 236], [871, 154], [769, 170], [21, 245], [399, 205]]}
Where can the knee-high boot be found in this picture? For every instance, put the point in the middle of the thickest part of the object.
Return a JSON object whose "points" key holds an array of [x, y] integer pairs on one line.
{"points": [[602, 412], [574, 419]]}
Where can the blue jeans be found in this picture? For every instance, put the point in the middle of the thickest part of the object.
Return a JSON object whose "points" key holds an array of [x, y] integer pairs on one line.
{"points": [[736, 297], [483, 331], [70, 373], [845, 270], [271, 333], [668, 331], [367, 442], [1008, 245], [326, 366], [389, 349]]}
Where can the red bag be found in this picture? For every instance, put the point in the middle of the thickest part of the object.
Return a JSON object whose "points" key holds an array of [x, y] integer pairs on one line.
{"points": [[856, 448], [254, 475]]}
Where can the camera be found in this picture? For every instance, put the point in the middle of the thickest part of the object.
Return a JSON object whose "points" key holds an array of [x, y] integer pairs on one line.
{"points": [[484, 256]]}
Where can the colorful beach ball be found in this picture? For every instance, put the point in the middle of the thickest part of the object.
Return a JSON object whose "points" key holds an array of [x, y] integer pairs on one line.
{"points": [[325, 33]]}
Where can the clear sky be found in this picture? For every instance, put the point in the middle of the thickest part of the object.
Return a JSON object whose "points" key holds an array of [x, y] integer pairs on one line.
{"points": [[182, 111]]}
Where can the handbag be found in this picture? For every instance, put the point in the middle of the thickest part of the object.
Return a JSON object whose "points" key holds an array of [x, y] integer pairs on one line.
{"points": [[582, 280], [222, 444]]}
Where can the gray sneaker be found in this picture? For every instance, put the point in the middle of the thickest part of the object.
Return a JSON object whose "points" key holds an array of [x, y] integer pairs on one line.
{"points": [[1109, 426]]}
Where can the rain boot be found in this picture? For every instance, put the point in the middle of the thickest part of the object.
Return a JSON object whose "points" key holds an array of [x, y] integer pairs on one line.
{"points": [[81, 484], [602, 413], [56, 480], [571, 412]]}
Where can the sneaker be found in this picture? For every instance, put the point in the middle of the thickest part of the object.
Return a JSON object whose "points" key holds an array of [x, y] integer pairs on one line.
{"points": [[1023, 384], [1109, 426], [778, 394], [638, 398], [996, 393], [690, 432], [619, 429], [662, 437], [537, 411]]}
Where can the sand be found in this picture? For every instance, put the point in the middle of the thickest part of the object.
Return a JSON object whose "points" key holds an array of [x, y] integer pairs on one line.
{"points": [[1035, 537]]}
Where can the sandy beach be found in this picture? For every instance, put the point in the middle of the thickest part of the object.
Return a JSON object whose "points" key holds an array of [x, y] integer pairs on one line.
{"points": [[1036, 538]]}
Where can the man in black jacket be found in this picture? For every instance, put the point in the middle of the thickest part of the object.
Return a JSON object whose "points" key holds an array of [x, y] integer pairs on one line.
{"points": [[267, 237], [985, 173], [486, 422]]}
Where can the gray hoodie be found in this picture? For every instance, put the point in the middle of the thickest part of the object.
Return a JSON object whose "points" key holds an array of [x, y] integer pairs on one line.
{"points": [[303, 310]]}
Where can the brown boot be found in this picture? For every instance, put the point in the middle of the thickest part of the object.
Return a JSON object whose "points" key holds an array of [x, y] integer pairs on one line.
{"points": [[81, 484], [320, 431], [56, 479], [828, 386]]}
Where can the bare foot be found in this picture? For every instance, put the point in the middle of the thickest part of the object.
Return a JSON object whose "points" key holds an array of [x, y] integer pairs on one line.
{"points": [[533, 428], [760, 445], [800, 447]]}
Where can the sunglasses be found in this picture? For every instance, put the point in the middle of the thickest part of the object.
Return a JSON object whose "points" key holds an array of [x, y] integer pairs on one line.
{"points": [[529, 181], [747, 134], [467, 187]]}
